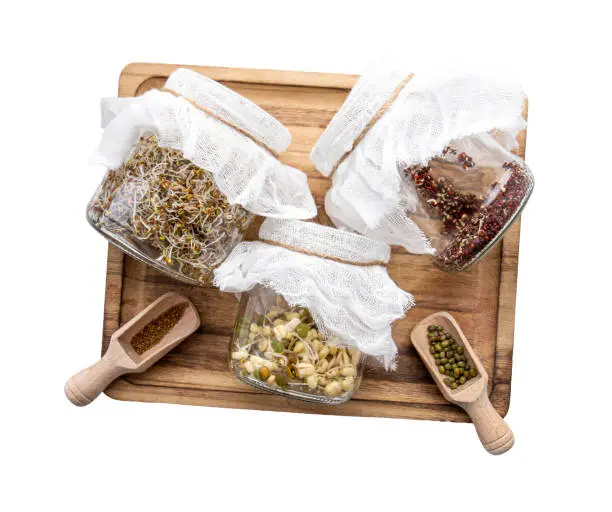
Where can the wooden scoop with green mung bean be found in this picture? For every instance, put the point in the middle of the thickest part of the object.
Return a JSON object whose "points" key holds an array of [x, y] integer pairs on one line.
{"points": [[137, 345], [461, 377]]}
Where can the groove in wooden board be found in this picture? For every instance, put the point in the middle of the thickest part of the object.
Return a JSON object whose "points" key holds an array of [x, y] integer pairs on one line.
{"points": [[137, 72], [123, 390], [196, 372]]}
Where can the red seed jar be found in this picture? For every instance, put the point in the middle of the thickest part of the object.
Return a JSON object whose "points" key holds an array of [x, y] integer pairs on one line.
{"points": [[427, 164]]}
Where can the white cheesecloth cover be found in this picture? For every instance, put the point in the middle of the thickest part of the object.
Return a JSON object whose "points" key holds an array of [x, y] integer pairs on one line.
{"points": [[368, 193], [244, 171], [355, 303]]}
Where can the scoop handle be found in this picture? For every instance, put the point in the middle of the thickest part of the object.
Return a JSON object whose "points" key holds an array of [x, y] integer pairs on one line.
{"points": [[494, 433], [84, 387]]}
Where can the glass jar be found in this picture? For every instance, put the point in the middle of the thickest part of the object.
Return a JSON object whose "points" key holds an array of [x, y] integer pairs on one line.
{"points": [[167, 212], [278, 348], [188, 167], [424, 162], [468, 197]]}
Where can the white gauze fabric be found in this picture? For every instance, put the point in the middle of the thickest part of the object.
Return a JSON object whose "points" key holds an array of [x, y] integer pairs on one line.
{"points": [[368, 193], [244, 171], [355, 304]]}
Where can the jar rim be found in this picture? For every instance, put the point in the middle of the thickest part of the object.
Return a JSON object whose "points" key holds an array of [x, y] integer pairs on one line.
{"points": [[326, 241], [365, 99], [230, 106]]}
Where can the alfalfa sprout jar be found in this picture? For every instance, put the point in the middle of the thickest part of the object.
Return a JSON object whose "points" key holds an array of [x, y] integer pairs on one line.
{"points": [[427, 163], [316, 302], [187, 169]]}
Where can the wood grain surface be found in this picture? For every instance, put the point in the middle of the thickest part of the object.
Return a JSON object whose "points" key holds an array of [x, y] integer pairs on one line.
{"points": [[482, 299]]}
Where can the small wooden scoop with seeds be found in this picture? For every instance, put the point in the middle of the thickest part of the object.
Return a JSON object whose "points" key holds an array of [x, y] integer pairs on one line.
{"points": [[494, 433], [137, 345]]}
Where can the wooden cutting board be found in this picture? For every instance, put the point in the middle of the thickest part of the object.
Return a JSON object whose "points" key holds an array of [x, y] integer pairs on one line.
{"points": [[196, 373]]}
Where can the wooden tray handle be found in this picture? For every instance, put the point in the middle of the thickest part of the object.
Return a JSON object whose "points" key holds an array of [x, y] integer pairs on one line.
{"points": [[84, 387], [494, 433]]}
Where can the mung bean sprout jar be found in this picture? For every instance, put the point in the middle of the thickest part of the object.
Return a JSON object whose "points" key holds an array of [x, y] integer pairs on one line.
{"points": [[427, 163], [187, 169], [316, 302], [280, 348]]}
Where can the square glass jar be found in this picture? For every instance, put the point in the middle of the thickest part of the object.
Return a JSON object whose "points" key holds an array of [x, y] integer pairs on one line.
{"points": [[278, 348], [165, 211], [468, 197], [425, 162]]}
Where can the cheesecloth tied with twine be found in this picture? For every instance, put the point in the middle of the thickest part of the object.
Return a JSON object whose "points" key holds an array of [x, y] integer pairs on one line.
{"points": [[339, 276], [393, 119], [218, 130]]}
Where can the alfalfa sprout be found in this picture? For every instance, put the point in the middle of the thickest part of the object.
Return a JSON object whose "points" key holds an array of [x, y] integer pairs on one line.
{"points": [[169, 206]]}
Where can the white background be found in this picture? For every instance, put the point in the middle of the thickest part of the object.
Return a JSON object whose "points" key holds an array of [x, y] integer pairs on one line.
{"points": [[59, 58]]}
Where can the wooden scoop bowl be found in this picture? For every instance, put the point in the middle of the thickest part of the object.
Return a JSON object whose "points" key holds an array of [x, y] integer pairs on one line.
{"points": [[121, 358], [494, 433]]}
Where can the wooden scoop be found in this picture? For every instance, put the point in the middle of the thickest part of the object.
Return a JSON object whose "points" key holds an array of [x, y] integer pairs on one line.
{"points": [[121, 358], [494, 433]]}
